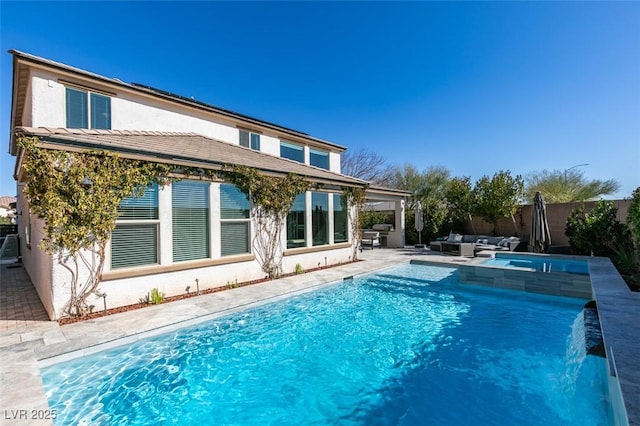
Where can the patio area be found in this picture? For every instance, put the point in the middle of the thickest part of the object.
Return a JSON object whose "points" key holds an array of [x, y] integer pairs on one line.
{"points": [[20, 305]]}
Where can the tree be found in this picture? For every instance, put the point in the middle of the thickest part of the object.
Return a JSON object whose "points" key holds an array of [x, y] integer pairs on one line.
{"points": [[460, 201], [366, 165], [428, 188], [558, 186], [498, 197], [77, 196]]}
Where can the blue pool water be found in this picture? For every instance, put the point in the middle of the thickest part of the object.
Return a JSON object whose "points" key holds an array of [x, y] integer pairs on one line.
{"points": [[540, 264], [405, 346]]}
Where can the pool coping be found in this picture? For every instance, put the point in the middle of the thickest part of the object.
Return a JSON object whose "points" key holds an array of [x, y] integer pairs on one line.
{"points": [[42, 345]]}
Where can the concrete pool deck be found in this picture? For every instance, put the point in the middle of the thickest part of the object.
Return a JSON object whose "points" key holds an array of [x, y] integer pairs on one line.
{"points": [[26, 348]]}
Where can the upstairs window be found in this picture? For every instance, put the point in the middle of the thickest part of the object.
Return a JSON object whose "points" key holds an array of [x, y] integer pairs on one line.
{"points": [[292, 152], [87, 110], [319, 159], [250, 140]]}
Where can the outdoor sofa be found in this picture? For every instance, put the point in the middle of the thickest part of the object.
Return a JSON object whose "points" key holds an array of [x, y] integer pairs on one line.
{"points": [[468, 245]]}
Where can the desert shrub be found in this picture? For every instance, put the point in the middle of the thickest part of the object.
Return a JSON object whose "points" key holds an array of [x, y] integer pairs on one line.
{"points": [[156, 296], [633, 217], [598, 232]]}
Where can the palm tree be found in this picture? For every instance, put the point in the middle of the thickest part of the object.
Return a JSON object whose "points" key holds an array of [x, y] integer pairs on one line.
{"points": [[564, 186]]}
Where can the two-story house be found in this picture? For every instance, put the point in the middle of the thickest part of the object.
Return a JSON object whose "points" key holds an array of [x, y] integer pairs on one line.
{"points": [[189, 230]]}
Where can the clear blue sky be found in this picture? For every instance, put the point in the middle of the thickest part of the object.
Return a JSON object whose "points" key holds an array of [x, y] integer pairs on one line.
{"points": [[474, 87]]}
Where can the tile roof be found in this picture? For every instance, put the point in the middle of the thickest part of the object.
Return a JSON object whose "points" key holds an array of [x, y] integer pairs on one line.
{"points": [[5, 200], [182, 148]]}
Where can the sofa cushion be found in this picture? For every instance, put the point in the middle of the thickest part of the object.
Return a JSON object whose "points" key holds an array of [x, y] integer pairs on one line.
{"points": [[469, 238], [453, 238], [494, 240]]}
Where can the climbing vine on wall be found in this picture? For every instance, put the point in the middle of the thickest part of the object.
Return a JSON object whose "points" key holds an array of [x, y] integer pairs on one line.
{"points": [[77, 195], [272, 198], [353, 201]]}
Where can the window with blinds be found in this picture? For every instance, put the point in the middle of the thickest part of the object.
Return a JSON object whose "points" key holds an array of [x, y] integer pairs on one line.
{"points": [[134, 241], [292, 152], [87, 110], [190, 208], [234, 221], [319, 159], [296, 233], [320, 218], [340, 222]]}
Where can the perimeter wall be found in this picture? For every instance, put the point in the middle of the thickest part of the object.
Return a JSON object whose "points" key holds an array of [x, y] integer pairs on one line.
{"points": [[556, 214]]}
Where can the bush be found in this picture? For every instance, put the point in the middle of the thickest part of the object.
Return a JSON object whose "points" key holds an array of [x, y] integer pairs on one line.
{"points": [[633, 218], [598, 232], [368, 218]]}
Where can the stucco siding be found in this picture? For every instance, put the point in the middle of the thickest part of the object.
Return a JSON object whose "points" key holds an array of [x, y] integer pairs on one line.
{"points": [[47, 101], [36, 262], [135, 113]]}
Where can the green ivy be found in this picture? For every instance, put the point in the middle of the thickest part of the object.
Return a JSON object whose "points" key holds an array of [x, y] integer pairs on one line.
{"points": [[353, 202], [272, 198], [77, 195]]}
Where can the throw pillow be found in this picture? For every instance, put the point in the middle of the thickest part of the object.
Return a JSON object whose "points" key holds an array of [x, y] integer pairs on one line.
{"points": [[457, 238]]}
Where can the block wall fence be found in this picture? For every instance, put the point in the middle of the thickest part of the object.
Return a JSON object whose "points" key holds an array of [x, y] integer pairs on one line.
{"points": [[557, 215]]}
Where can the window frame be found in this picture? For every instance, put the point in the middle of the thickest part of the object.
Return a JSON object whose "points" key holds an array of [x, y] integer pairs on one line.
{"points": [[292, 145], [293, 243], [140, 222], [318, 152], [234, 221], [206, 232], [88, 108], [337, 202], [251, 138], [318, 217]]}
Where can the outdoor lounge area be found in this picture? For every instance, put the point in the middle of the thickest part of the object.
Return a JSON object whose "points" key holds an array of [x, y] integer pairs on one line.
{"points": [[471, 245]]}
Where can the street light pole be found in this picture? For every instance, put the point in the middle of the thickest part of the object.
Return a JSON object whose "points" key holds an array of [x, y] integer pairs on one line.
{"points": [[572, 167]]}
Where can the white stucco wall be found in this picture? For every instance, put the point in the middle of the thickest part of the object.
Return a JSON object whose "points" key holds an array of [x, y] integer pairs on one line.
{"points": [[334, 162], [46, 107], [36, 262], [47, 100]]}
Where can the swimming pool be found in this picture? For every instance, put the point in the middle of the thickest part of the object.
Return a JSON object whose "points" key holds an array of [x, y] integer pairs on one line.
{"points": [[396, 347], [540, 263]]}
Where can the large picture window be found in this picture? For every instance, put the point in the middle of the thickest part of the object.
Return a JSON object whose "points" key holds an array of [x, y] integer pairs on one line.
{"points": [[292, 152], [190, 207], [340, 220], [134, 241], [87, 110], [320, 218], [234, 221], [296, 232]]}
